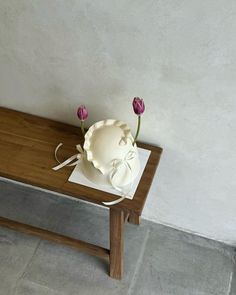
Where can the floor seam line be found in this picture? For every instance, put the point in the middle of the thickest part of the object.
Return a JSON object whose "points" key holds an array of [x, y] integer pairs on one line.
{"points": [[139, 262], [28, 263], [46, 287]]}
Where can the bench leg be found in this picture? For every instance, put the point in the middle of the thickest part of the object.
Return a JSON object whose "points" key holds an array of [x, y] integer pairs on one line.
{"points": [[116, 243], [134, 218]]}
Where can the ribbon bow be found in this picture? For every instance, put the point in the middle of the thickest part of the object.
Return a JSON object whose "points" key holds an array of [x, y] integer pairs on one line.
{"points": [[117, 164], [68, 161]]}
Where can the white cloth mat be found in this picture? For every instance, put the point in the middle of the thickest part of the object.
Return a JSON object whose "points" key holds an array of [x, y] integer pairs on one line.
{"points": [[78, 177]]}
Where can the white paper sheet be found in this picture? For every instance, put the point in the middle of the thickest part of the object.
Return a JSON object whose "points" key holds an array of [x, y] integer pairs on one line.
{"points": [[78, 177]]}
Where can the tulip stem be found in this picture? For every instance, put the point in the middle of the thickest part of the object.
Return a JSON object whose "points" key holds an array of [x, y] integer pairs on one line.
{"points": [[138, 129], [82, 126]]}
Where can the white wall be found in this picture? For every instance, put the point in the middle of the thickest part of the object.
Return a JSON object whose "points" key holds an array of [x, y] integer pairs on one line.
{"points": [[179, 55]]}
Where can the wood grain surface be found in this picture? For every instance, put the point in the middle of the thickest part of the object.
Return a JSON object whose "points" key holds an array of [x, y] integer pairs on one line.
{"points": [[116, 243]]}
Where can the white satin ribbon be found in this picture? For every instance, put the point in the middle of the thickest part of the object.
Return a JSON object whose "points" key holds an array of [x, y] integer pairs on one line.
{"points": [[68, 161], [117, 164], [114, 202]]}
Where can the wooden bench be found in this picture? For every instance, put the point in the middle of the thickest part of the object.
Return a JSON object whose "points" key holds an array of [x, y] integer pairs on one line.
{"points": [[27, 145]]}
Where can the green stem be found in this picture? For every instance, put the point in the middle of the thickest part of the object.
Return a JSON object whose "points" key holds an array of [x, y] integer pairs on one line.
{"points": [[82, 127], [138, 129]]}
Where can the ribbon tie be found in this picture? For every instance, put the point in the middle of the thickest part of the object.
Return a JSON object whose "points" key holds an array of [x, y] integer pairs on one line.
{"points": [[68, 161], [117, 164]]}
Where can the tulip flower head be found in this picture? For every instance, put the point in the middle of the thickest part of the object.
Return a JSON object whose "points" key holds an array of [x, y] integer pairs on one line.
{"points": [[139, 108], [82, 114]]}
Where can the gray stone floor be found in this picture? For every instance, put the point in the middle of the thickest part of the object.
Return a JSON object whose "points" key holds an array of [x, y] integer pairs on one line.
{"points": [[158, 259]]}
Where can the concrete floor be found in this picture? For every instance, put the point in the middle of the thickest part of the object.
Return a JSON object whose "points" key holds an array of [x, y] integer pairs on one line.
{"points": [[158, 259]]}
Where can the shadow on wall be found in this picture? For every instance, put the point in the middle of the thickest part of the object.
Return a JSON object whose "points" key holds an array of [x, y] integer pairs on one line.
{"points": [[61, 102]]}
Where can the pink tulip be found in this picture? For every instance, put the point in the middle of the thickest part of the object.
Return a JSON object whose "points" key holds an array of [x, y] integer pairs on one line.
{"points": [[138, 106], [82, 113]]}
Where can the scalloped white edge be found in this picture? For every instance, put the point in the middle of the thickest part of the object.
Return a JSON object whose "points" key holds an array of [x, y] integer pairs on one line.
{"points": [[87, 137]]}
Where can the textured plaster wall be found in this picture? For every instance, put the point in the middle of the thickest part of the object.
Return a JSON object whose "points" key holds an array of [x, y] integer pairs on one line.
{"points": [[179, 55]]}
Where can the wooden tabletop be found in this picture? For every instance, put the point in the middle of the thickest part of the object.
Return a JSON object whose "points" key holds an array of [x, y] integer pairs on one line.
{"points": [[27, 145]]}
